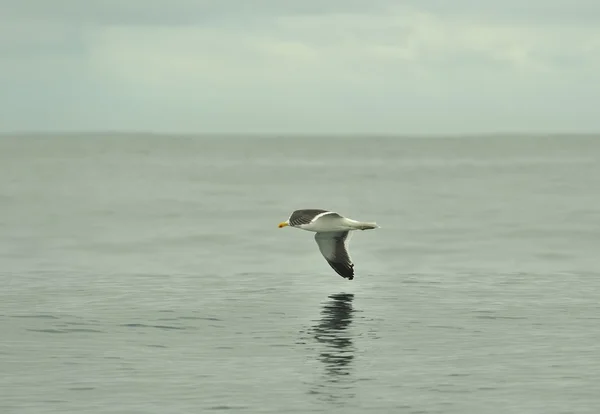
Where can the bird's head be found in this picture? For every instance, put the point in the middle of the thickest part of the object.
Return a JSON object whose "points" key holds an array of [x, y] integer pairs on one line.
{"points": [[284, 224]]}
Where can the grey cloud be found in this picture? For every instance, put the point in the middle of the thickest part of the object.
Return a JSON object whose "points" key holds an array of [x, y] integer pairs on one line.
{"points": [[187, 12], [176, 11], [533, 12]]}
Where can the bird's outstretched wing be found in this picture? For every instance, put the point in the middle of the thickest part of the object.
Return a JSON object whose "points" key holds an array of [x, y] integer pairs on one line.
{"points": [[334, 247]]}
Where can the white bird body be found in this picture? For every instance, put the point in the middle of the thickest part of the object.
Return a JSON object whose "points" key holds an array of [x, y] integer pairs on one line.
{"points": [[332, 235]]}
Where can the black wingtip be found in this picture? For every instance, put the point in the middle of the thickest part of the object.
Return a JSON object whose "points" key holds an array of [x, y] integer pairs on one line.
{"points": [[343, 269]]}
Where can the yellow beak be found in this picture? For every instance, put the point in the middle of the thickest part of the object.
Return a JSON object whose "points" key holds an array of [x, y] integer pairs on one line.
{"points": [[283, 224]]}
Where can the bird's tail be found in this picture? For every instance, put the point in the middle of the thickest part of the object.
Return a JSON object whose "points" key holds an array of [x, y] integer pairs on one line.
{"points": [[364, 225]]}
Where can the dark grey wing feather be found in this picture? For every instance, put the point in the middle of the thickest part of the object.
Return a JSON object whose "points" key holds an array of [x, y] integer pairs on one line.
{"points": [[305, 216], [333, 247]]}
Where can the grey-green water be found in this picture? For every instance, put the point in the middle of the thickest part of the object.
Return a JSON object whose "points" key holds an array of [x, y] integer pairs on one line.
{"points": [[148, 275]]}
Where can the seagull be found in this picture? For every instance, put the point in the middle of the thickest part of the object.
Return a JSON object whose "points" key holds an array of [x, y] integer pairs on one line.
{"points": [[332, 235]]}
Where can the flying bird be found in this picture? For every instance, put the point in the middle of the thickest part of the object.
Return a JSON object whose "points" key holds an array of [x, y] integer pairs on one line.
{"points": [[332, 235]]}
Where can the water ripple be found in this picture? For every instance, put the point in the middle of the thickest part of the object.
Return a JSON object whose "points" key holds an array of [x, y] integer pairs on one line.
{"points": [[143, 325]]}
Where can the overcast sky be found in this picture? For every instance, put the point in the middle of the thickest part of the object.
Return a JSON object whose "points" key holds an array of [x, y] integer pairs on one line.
{"points": [[300, 66]]}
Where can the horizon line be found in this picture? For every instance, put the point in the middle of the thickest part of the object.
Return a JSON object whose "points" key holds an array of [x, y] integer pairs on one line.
{"points": [[373, 134]]}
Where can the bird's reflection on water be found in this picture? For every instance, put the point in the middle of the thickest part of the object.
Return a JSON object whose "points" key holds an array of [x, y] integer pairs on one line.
{"points": [[336, 316], [336, 349]]}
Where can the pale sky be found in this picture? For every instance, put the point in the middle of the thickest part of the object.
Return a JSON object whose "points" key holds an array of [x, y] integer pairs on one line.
{"points": [[300, 66]]}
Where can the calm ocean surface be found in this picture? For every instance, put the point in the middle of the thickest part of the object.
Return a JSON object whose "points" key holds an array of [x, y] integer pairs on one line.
{"points": [[147, 274]]}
